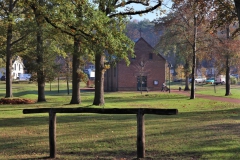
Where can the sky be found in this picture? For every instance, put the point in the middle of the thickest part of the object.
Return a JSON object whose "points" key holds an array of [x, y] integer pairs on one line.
{"points": [[151, 16]]}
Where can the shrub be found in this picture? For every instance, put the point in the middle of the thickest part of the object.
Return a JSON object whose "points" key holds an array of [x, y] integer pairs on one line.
{"points": [[233, 80]]}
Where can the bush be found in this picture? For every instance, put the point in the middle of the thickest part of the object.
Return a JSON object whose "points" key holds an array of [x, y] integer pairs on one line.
{"points": [[233, 80]]}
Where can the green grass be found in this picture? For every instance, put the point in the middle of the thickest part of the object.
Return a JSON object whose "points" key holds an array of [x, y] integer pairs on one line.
{"points": [[209, 89], [203, 129]]}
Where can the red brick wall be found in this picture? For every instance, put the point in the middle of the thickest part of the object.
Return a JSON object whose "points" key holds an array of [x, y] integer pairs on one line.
{"points": [[126, 77], [110, 79]]}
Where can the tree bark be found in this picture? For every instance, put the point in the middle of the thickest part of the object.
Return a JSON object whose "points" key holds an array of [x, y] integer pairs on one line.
{"points": [[40, 70], [192, 96], [52, 133], [227, 78], [140, 134], [75, 75], [227, 66], [9, 55], [186, 84], [186, 68], [99, 80]]}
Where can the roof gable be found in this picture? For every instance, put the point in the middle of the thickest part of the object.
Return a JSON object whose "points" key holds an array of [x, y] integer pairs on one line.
{"points": [[19, 60], [143, 41], [143, 47]]}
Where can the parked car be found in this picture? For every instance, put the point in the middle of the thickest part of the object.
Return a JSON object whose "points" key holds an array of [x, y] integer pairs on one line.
{"points": [[210, 80], [220, 79], [177, 80], [3, 78], [200, 79], [235, 75], [190, 80]]}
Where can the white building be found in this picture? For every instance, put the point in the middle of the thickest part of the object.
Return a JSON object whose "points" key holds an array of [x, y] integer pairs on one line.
{"points": [[17, 68]]}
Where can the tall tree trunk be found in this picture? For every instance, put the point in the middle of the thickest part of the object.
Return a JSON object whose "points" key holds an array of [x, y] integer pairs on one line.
{"points": [[40, 71], [227, 77], [192, 96], [75, 74], [186, 83], [227, 67], [99, 69], [67, 76], [186, 68], [9, 55], [68, 86], [99, 80]]}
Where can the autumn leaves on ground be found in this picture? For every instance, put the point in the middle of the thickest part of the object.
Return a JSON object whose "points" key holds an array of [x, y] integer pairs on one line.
{"points": [[16, 101]]}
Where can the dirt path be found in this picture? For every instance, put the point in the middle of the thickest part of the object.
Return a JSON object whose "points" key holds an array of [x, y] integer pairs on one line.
{"points": [[215, 98]]}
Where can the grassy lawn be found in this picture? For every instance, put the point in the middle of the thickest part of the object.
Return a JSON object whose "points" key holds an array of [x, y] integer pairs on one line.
{"points": [[209, 89], [203, 129]]}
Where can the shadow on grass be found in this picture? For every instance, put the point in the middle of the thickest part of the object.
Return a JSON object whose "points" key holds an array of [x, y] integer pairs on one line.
{"points": [[38, 158], [42, 119], [47, 92], [150, 154], [119, 154]]}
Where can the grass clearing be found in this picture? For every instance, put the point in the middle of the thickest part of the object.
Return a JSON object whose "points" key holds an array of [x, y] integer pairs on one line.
{"points": [[203, 129], [209, 89]]}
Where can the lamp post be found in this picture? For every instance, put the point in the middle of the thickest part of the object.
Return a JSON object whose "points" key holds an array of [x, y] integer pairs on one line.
{"points": [[170, 66]]}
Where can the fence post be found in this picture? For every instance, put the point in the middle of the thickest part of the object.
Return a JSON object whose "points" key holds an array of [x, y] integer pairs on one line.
{"points": [[52, 133], [140, 134]]}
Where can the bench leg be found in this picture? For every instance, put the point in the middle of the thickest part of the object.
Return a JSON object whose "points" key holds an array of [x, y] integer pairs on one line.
{"points": [[140, 134], [52, 133]]}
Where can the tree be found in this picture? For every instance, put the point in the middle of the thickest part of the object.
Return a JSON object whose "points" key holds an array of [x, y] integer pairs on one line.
{"points": [[225, 16], [110, 8], [119, 47], [17, 31], [74, 19], [173, 42], [92, 31], [226, 52], [39, 49], [184, 29]]}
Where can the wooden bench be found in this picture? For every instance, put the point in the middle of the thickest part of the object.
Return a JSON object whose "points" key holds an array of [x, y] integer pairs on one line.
{"points": [[138, 111]]}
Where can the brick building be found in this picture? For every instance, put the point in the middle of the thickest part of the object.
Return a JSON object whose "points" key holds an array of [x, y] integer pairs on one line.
{"points": [[146, 71]]}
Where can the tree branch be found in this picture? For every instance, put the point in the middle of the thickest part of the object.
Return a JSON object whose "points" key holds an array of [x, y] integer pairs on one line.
{"points": [[2, 6], [136, 12], [64, 31], [14, 42], [130, 2], [57, 27]]}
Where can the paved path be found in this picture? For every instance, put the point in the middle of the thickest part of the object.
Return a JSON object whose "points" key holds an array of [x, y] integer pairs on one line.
{"points": [[216, 98]]}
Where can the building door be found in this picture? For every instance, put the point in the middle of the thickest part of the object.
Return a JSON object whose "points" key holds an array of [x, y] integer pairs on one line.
{"points": [[142, 82]]}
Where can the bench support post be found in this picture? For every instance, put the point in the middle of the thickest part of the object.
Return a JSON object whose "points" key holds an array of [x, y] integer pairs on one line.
{"points": [[140, 134], [52, 133]]}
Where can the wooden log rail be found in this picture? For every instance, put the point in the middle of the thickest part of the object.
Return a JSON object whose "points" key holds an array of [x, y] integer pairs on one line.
{"points": [[138, 111]]}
